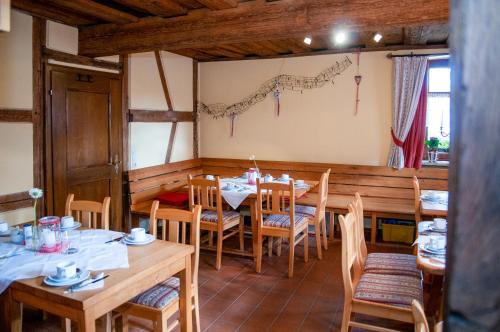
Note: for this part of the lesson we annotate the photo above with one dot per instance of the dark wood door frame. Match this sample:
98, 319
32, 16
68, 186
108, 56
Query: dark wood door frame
48, 153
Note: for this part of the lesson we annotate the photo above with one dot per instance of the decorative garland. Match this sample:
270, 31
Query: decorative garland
274, 85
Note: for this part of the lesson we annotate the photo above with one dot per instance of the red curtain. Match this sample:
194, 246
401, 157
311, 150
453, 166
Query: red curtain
413, 146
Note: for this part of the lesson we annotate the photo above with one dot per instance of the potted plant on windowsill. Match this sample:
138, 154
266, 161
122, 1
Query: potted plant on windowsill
432, 148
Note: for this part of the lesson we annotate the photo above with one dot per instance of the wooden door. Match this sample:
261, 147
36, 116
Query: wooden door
85, 138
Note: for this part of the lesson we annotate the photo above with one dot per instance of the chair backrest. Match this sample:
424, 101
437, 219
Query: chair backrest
322, 194
87, 212
174, 218
360, 226
416, 190
206, 193
417, 310
351, 269
276, 198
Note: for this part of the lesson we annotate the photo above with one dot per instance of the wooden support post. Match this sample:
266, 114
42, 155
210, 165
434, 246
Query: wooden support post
373, 234
195, 109
171, 142
38, 43
127, 218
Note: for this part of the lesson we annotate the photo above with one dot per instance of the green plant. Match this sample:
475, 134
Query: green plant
432, 144
444, 145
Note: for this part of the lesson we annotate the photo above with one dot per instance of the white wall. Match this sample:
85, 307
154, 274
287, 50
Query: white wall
317, 125
149, 141
16, 139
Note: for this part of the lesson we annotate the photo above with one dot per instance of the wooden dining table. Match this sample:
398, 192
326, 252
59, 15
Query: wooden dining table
425, 262
148, 265
434, 203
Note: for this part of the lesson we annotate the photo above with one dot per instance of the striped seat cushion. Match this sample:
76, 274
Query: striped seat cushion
389, 289
227, 216
161, 295
283, 220
309, 211
390, 263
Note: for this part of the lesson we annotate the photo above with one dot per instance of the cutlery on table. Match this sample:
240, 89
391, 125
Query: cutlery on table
86, 282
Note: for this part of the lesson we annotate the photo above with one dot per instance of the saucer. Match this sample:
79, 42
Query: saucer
438, 230
75, 226
149, 238
427, 247
55, 278
66, 282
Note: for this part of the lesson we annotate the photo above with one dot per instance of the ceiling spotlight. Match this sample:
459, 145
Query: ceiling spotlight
377, 37
340, 37
308, 40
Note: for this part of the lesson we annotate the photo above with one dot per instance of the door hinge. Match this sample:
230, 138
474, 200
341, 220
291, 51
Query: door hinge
50, 92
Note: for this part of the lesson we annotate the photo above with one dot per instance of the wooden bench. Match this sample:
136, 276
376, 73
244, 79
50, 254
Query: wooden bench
145, 184
386, 192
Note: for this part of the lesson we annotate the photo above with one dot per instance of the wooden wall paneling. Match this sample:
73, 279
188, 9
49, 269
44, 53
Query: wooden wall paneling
195, 109
136, 115
78, 59
16, 115
471, 291
171, 140
127, 217
141, 173
15, 201
41, 10
38, 43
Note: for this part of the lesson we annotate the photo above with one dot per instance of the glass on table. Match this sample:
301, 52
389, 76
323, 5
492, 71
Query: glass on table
71, 241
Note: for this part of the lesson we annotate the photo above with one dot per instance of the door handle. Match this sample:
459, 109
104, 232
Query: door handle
116, 162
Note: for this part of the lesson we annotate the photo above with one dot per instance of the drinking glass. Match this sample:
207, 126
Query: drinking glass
71, 242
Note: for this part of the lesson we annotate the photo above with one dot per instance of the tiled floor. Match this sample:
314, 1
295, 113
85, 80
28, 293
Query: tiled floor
238, 299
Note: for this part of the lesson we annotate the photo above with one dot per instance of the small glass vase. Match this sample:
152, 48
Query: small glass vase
35, 243
433, 156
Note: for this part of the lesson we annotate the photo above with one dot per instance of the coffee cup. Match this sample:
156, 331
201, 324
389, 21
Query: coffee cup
4, 227
437, 242
439, 223
268, 178
17, 236
285, 176
67, 221
65, 270
138, 234
210, 177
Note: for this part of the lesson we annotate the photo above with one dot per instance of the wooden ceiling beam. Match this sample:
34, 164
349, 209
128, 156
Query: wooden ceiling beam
219, 4
257, 20
95, 9
41, 10
164, 8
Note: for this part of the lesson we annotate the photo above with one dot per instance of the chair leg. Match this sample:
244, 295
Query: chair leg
278, 249
108, 317
317, 235
197, 310
161, 323
220, 236
242, 233
332, 225
291, 255
323, 230
270, 246
258, 265
66, 324
124, 322
306, 245
211, 238
346, 318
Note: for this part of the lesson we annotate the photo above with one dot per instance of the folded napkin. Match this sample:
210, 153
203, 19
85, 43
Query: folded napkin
88, 284
95, 285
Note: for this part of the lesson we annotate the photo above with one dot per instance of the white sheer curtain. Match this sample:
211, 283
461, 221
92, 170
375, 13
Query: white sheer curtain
409, 73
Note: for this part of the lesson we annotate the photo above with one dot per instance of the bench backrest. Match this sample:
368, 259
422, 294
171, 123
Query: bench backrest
144, 184
368, 181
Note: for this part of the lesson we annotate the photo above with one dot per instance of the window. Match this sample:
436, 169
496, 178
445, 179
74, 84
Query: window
438, 105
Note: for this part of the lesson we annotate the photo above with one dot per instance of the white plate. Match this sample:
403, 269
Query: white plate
427, 247
68, 282
75, 226
149, 238
7, 232
439, 230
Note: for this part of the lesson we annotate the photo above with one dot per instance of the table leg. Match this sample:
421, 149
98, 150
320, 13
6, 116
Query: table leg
86, 322
16, 312
186, 312
253, 217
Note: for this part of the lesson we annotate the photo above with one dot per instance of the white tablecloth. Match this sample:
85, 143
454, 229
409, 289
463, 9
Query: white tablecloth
94, 255
241, 191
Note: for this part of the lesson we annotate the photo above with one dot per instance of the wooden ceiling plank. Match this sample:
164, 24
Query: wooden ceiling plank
257, 20
95, 9
164, 8
219, 4
194, 54
51, 13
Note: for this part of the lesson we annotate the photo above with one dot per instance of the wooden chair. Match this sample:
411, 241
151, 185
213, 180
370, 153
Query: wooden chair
275, 219
206, 193
416, 190
381, 263
421, 324
161, 302
378, 295
87, 212
317, 214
